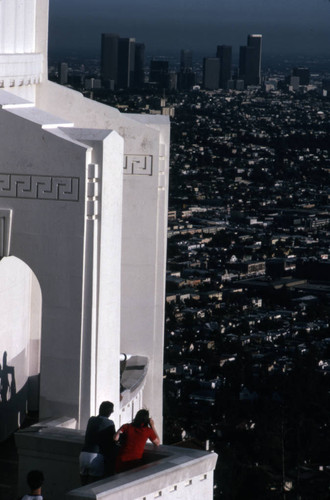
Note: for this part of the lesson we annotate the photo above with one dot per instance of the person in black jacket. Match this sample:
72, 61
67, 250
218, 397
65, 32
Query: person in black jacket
97, 457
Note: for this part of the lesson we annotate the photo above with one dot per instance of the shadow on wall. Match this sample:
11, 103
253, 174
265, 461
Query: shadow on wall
12, 404
7, 380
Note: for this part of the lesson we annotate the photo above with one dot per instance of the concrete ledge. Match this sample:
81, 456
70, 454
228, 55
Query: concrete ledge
55, 451
170, 467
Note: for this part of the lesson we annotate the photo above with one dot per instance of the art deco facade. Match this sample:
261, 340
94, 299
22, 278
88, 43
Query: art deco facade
83, 200
83, 219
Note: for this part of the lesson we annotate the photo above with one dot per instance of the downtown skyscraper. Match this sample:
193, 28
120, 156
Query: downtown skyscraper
122, 62
224, 53
250, 61
126, 62
186, 77
185, 60
109, 59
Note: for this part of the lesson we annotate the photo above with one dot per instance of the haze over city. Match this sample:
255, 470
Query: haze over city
294, 27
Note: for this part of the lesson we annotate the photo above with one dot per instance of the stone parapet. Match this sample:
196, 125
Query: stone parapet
132, 384
167, 471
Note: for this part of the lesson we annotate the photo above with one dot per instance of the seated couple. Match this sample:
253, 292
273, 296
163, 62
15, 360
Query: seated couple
101, 456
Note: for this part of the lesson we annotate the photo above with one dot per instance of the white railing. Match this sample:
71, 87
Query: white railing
132, 383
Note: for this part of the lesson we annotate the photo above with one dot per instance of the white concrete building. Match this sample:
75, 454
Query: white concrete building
83, 201
83, 221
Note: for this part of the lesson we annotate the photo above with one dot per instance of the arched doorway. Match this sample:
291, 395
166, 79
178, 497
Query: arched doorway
20, 335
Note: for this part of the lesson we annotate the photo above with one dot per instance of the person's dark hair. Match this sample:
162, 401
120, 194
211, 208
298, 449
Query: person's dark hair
106, 408
141, 418
35, 479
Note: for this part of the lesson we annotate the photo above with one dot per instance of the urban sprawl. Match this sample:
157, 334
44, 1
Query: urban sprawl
247, 340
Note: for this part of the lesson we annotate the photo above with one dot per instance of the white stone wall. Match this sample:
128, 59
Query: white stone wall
18, 291
23, 45
145, 165
17, 26
99, 259
63, 187
35, 344
145, 204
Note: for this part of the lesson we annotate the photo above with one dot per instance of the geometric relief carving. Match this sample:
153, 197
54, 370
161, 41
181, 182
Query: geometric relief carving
138, 164
93, 187
5, 231
39, 187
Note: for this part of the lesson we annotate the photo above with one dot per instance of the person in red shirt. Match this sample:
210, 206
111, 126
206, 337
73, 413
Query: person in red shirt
134, 437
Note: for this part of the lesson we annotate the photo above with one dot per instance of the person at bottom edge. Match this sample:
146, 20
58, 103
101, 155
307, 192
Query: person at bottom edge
98, 454
134, 437
35, 479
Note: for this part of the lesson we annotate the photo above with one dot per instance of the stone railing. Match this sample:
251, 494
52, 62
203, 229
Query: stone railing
132, 382
168, 472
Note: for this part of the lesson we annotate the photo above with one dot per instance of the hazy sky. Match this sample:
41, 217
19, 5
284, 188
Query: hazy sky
291, 26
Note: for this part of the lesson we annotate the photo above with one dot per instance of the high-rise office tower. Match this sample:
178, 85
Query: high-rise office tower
224, 53
122, 61
243, 62
172, 80
186, 80
159, 74
139, 65
63, 73
126, 62
255, 42
185, 77
250, 60
109, 59
211, 70
185, 60
303, 74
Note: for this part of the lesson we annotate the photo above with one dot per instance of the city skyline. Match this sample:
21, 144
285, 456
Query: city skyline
287, 27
